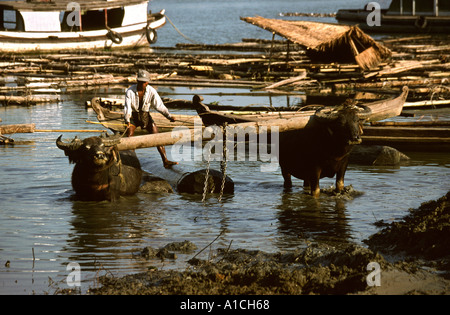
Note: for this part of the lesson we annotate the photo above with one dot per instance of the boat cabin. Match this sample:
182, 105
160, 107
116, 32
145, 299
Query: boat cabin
402, 16
419, 7
68, 16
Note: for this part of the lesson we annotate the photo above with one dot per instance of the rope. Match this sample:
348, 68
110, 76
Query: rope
179, 32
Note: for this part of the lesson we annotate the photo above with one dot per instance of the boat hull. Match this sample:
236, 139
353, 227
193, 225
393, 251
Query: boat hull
133, 36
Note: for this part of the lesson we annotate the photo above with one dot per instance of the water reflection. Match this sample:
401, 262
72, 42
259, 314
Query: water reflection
107, 231
302, 217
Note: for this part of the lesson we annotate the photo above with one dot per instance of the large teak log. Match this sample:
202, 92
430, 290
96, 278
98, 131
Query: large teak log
209, 133
186, 179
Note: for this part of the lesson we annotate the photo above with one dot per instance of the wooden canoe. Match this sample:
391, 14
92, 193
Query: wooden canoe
380, 110
114, 120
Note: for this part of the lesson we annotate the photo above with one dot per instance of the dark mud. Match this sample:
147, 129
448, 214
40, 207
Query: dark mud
423, 234
412, 254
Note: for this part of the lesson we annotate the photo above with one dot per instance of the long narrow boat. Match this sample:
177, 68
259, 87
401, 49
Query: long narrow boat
41, 25
379, 110
114, 120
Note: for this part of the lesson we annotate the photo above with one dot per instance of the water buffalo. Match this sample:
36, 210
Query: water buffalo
322, 148
101, 172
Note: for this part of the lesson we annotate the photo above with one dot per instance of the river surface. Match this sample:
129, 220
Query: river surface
42, 229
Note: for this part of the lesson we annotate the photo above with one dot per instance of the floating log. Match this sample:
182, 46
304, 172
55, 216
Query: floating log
6, 140
31, 128
29, 99
386, 84
185, 179
154, 184
18, 128
193, 135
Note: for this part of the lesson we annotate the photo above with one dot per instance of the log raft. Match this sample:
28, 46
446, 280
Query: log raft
422, 64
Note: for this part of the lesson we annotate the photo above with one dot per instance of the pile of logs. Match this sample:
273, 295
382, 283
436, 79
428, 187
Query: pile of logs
422, 63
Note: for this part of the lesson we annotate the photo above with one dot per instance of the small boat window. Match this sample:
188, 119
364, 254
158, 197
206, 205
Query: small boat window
425, 7
444, 7
10, 20
95, 20
416, 7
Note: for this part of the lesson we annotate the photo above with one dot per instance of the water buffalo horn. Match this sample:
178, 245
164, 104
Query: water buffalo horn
326, 113
365, 112
72, 146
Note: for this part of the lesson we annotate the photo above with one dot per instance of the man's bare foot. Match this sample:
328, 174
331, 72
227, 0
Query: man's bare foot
169, 164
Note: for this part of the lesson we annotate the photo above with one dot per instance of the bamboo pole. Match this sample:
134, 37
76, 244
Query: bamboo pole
69, 130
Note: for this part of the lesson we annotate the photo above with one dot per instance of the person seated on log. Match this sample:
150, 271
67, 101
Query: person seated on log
139, 98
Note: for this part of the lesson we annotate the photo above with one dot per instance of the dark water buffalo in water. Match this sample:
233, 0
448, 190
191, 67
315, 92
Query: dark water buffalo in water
101, 172
322, 148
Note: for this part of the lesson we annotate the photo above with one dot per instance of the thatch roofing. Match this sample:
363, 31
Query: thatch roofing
326, 39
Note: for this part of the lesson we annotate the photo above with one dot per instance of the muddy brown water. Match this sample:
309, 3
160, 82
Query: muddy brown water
43, 229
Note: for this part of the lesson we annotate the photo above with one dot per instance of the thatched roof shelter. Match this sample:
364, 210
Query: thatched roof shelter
327, 42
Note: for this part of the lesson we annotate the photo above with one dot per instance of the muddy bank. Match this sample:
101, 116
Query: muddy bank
412, 255
423, 234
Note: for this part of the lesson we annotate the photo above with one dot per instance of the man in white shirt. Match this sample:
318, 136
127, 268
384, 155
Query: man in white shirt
139, 99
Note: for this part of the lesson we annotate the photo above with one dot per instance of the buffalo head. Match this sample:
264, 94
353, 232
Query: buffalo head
344, 123
101, 172
94, 151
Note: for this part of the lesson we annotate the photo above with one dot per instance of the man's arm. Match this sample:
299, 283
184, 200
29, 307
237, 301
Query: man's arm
158, 104
127, 110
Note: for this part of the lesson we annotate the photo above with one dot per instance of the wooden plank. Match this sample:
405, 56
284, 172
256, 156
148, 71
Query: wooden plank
407, 131
286, 82
411, 123
417, 140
